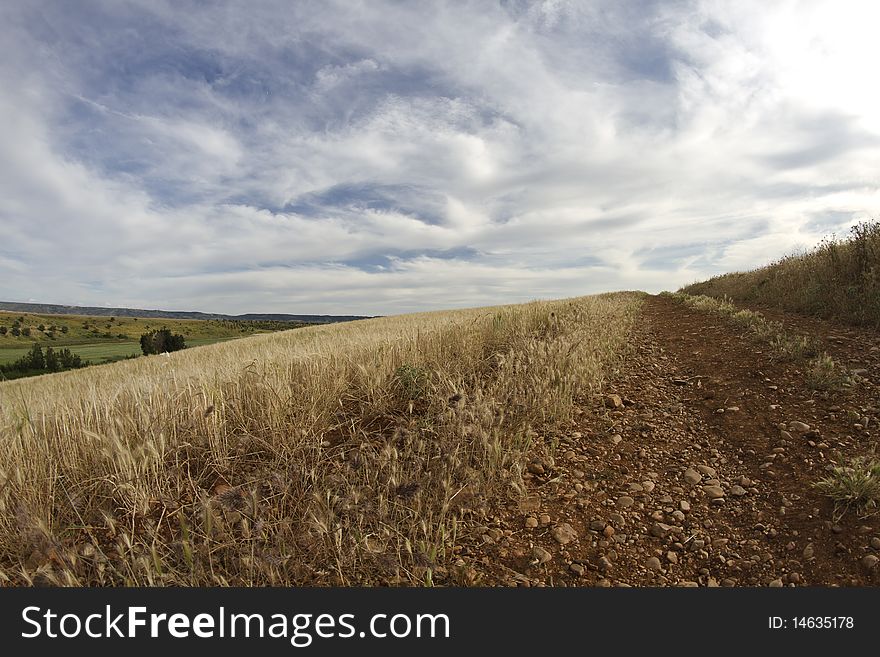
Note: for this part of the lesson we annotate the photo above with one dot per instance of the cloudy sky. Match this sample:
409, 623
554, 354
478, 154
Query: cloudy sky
382, 157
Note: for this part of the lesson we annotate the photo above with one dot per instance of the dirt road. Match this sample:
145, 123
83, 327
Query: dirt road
692, 473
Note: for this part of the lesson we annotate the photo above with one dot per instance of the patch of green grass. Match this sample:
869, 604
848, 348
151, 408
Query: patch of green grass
99, 352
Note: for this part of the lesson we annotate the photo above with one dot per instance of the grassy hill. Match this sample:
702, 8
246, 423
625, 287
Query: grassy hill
107, 338
353, 453
838, 279
99, 311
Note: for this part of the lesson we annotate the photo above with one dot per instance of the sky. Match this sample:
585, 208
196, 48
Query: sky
388, 157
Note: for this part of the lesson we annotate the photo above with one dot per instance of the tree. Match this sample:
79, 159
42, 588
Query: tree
3, 330
161, 340
52, 362
36, 359
15, 331
69, 359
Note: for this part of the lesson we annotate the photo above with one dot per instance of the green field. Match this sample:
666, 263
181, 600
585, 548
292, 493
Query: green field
106, 339
98, 352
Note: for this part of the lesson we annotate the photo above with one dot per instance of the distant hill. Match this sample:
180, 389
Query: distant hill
55, 309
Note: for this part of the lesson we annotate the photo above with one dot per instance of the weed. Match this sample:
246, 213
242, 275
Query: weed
854, 485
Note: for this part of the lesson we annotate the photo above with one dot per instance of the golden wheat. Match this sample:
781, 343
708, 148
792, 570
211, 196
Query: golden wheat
350, 454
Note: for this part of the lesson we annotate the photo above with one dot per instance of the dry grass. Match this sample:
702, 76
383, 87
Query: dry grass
853, 485
822, 372
352, 454
839, 279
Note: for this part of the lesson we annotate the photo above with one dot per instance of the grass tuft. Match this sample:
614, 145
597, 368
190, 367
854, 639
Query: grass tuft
853, 485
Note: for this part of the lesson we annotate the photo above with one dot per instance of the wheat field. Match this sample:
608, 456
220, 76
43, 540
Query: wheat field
347, 454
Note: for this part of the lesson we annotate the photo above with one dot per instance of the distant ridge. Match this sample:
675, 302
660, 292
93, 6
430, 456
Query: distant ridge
56, 309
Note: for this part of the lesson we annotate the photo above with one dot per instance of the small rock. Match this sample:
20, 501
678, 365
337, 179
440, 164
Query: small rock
605, 564
671, 557
576, 568
608, 531
869, 561
531, 522
613, 401
798, 427
654, 564
875, 543
541, 555
706, 470
624, 502
737, 490
691, 476
714, 492
597, 525
776, 583
564, 534
535, 468
660, 530
685, 506
544, 519
809, 551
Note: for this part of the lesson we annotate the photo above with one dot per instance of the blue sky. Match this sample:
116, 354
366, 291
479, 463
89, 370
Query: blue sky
385, 157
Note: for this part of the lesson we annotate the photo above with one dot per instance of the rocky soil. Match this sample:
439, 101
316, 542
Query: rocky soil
695, 470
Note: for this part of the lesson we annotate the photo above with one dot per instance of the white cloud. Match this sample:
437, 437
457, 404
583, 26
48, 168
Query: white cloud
382, 157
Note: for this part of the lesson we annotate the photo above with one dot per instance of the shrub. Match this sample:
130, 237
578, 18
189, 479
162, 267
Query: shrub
161, 340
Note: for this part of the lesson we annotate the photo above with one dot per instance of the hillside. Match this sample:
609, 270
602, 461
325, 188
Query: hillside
97, 311
618, 440
355, 453
100, 339
839, 279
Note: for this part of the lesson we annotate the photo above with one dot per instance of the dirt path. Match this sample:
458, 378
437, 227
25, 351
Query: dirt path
692, 475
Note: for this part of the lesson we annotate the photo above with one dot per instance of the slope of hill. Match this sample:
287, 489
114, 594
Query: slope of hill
355, 453
839, 279
101, 339
56, 309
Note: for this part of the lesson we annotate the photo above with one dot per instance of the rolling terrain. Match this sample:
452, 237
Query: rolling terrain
102, 339
622, 439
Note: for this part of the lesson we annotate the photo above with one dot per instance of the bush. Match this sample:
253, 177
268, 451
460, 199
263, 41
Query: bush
161, 340
15, 331
3, 330
26, 332
64, 329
